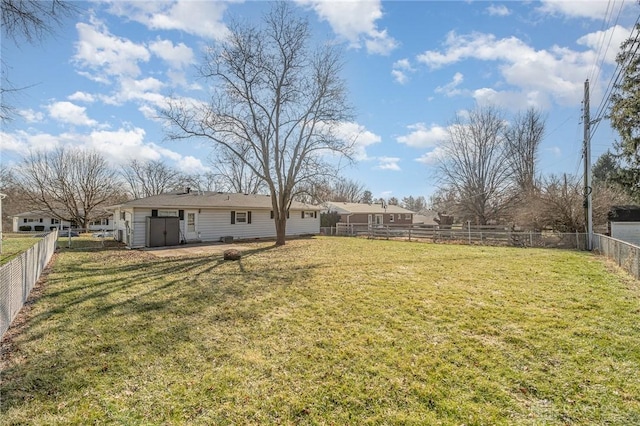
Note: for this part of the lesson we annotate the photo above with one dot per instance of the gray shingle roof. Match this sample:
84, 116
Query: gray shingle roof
346, 208
206, 199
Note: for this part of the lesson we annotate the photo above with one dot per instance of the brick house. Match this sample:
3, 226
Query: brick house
370, 214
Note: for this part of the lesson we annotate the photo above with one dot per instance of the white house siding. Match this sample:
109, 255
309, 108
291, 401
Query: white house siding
213, 224
626, 231
139, 227
120, 224
298, 226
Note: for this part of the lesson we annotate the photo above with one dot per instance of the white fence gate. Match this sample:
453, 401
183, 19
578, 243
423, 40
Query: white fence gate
18, 277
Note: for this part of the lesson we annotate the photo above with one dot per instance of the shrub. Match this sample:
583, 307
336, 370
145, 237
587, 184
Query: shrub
25, 228
39, 227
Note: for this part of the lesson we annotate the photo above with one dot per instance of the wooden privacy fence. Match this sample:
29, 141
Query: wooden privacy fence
486, 235
18, 277
626, 255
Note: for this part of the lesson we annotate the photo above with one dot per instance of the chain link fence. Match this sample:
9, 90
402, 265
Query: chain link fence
18, 277
626, 255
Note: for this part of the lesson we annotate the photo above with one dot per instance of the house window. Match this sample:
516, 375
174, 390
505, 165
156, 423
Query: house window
308, 215
122, 215
168, 213
55, 221
391, 216
191, 222
379, 219
241, 217
407, 216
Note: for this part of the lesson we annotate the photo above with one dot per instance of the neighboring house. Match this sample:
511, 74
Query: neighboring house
624, 224
199, 216
426, 219
370, 214
39, 220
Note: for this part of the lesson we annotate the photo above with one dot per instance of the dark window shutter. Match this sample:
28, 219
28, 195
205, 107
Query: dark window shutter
25, 220
154, 213
41, 220
181, 214
271, 214
233, 217
248, 217
315, 215
302, 214
107, 222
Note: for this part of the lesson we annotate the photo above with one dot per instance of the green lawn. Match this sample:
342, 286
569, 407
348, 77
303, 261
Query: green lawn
13, 245
329, 331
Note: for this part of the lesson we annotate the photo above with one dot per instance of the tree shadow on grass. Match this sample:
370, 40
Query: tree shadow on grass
131, 306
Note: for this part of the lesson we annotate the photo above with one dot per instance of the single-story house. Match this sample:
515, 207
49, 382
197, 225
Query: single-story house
203, 216
370, 214
426, 219
40, 220
624, 224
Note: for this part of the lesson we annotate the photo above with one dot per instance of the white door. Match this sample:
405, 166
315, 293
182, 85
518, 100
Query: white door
191, 225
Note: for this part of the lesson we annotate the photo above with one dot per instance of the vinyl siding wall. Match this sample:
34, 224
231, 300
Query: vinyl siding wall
212, 224
626, 231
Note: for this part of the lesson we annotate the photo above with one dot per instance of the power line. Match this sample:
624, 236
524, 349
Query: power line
618, 75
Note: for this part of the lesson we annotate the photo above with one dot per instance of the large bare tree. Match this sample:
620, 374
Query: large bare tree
147, 178
72, 184
523, 138
276, 104
474, 165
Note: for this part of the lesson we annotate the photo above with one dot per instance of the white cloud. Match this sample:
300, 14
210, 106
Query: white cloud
69, 113
388, 163
191, 165
362, 137
450, 89
177, 56
106, 54
499, 10
612, 37
82, 97
421, 136
432, 157
201, 18
541, 75
22, 142
31, 116
515, 100
576, 8
356, 22
400, 70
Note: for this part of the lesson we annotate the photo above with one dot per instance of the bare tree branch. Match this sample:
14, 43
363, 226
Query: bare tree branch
275, 105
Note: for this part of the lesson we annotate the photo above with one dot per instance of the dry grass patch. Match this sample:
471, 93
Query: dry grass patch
329, 331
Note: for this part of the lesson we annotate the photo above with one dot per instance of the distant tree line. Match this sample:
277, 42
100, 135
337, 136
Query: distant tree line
489, 175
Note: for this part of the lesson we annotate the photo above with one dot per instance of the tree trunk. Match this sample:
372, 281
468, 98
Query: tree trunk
281, 228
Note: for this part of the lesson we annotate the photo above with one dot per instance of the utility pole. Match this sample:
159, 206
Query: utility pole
588, 208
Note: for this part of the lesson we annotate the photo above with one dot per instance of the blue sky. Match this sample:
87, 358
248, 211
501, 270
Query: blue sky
410, 67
